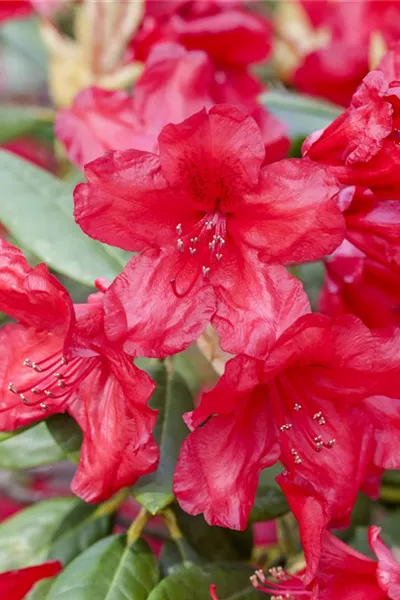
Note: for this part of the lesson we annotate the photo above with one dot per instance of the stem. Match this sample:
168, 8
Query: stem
110, 506
135, 530
172, 524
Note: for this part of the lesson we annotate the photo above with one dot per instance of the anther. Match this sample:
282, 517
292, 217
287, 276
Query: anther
64, 361
211, 246
317, 415
180, 245
331, 443
192, 251
27, 363
35, 390
12, 388
179, 229
218, 256
58, 375
206, 271
61, 384
285, 427
221, 241
297, 407
208, 225
44, 406
36, 368
194, 240
24, 399
49, 394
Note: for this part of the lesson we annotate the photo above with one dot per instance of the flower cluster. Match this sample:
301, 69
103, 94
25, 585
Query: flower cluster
188, 172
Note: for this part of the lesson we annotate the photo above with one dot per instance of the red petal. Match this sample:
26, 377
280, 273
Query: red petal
98, 120
345, 573
16, 344
255, 304
292, 217
388, 571
231, 37
143, 312
118, 447
126, 202
32, 295
14, 585
212, 156
219, 464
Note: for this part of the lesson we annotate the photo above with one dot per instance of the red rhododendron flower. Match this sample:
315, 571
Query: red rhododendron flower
361, 145
57, 360
308, 405
342, 573
175, 84
214, 230
356, 284
14, 585
32, 151
14, 9
340, 42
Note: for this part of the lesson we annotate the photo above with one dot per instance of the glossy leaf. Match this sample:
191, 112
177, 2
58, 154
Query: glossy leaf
37, 208
171, 398
192, 582
41, 590
78, 530
270, 503
109, 570
213, 543
26, 537
176, 552
303, 114
29, 448
67, 434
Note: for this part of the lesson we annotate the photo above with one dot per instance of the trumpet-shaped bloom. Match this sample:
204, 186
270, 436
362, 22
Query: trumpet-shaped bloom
214, 228
308, 405
56, 359
342, 573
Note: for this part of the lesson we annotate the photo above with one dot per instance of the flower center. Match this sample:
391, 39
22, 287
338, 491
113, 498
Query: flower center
286, 587
52, 378
200, 251
298, 421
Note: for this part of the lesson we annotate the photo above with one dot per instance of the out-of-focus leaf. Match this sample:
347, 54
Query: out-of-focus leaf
29, 448
359, 542
79, 529
41, 590
108, 570
171, 398
303, 114
26, 537
37, 208
312, 275
67, 434
17, 121
176, 552
212, 543
192, 582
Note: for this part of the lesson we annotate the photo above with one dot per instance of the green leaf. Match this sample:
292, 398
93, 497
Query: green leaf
78, 530
67, 435
212, 543
29, 448
303, 114
109, 570
176, 552
37, 208
41, 590
26, 537
270, 503
192, 582
172, 398
16, 121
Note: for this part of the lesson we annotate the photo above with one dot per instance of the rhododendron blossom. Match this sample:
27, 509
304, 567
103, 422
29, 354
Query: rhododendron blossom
325, 48
57, 359
361, 146
175, 84
342, 573
214, 229
307, 405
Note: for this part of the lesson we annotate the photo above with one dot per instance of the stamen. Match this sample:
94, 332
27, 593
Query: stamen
179, 229
205, 271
